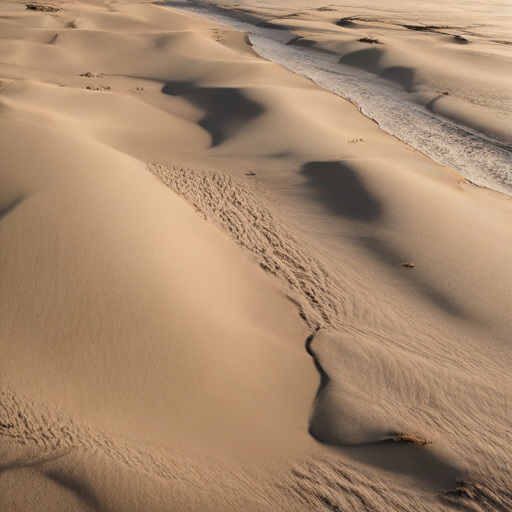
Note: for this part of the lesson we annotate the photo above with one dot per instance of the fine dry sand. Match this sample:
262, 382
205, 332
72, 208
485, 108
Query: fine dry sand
204, 303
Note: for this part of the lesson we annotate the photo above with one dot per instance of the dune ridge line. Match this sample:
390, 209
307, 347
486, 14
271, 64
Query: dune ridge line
249, 222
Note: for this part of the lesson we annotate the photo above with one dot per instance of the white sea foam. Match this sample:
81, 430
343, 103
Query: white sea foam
478, 158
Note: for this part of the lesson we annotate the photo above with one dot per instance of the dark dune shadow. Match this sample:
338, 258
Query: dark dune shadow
454, 39
339, 188
418, 462
347, 22
415, 461
431, 104
78, 488
324, 378
367, 60
48, 465
4, 211
399, 75
459, 40
226, 108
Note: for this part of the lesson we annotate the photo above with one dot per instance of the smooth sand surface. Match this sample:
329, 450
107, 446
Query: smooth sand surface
204, 303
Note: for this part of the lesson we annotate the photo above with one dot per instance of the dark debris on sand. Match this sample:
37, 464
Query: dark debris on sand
42, 8
410, 439
369, 40
424, 28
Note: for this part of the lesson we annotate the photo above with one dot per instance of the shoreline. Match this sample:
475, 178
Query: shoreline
487, 166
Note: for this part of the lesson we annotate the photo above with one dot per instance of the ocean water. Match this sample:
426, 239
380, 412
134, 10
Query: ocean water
482, 160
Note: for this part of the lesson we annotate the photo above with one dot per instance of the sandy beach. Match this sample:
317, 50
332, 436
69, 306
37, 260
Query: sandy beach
224, 287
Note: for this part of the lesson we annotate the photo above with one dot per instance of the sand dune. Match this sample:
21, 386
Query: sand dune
204, 303
411, 46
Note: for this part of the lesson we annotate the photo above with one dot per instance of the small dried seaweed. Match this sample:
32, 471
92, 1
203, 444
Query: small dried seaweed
370, 40
42, 8
410, 439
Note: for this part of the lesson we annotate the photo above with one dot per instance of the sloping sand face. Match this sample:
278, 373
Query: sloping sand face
203, 300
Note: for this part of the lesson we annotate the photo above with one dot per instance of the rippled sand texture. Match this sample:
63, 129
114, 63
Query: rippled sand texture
204, 303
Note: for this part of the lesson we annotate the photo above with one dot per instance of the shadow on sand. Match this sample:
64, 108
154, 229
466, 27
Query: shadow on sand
226, 109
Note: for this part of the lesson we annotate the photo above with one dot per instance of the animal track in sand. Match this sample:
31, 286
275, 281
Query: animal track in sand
140, 89
237, 208
44, 434
218, 35
201, 213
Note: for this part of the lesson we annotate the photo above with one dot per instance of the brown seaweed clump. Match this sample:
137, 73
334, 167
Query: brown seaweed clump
42, 8
369, 40
410, 439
